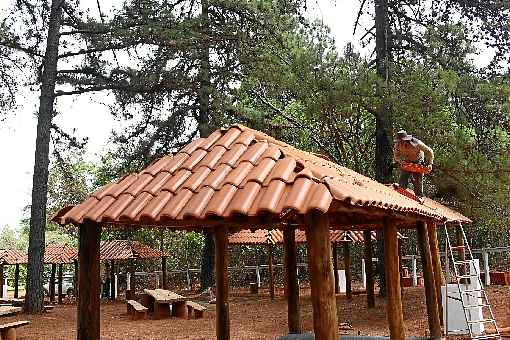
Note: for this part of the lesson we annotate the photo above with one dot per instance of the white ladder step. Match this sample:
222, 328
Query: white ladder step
486, 336
475, 306
482, 321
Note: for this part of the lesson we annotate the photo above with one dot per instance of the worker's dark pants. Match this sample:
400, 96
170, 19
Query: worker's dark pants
417, 181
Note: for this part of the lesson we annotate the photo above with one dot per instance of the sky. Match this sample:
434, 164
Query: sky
89, 115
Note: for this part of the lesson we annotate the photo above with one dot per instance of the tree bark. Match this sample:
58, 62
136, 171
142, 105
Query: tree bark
384, 147
34, 301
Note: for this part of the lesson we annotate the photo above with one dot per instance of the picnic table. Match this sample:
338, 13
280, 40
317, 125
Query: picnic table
9, 310
164, 303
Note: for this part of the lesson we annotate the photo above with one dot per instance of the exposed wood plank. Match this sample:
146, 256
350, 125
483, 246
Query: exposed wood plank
335, 266
221, 264
369, 268
290, 263
325, 322
89, 282
394, 298
348, 270
428, 277
270, 269
436, 264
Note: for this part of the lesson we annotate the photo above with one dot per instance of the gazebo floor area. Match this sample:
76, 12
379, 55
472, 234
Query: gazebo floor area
250, 318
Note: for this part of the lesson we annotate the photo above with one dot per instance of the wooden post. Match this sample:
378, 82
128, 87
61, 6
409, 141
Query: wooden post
164, 284
112, 280
51, 285
335, 266
89, 282
369, 268
16, 281
76, 278
221, 263
436, 265
60, 283
325, 324
394, 298
290, 259
270, 270
348, 271
428, 277
2, 281
400, 270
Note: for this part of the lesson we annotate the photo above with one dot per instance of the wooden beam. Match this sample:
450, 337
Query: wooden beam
290, 263
335, 266
112, 280
428, 277
89, 282
394, 298
221, 264
59, 287
51, 285
325, 324
348, 270
164, 284
369, 268
16, 281
270, 269
436, 265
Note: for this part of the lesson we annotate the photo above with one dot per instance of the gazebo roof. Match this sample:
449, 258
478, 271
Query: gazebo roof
262, 236
12, 256
60, 254
125, 250
242, 176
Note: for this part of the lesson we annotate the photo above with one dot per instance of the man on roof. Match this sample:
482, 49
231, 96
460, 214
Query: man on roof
412, 150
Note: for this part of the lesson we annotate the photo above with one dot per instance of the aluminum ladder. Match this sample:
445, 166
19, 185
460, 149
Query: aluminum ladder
462, 274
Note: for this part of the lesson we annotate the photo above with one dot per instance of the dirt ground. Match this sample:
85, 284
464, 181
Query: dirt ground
251, 318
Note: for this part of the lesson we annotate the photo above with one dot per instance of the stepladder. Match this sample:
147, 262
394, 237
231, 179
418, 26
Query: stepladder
467, 291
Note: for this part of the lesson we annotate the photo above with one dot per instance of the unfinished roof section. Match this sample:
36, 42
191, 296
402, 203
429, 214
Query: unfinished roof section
262, 236
240, 173
126, 250
60, 254
449, 215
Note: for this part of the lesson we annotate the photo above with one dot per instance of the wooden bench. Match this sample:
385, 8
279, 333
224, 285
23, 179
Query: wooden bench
8, 330
135, 310
195, 310
48, 308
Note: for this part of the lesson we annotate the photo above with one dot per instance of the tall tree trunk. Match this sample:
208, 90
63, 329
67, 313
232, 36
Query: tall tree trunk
204, 128
384, 147
34, 297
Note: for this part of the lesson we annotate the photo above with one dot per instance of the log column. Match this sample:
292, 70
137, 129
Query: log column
270, 270
348, 271
89, 282
394, 298
51, 286
16, 281
436, 265
428, 277
164, 284
325, 322
369, 268
59, 287
292, 291
112, 280
2, 281
335, 266
75, 277
221, 267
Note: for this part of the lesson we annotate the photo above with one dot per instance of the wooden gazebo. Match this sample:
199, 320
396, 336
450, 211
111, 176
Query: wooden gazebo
239, 178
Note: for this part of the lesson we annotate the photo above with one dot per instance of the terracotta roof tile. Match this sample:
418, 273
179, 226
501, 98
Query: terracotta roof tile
239, 171
12, 256
60, 254
126, 250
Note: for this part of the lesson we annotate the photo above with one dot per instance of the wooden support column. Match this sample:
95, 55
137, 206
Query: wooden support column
428, 277
325, 322
270, 269
75, 277
59, 295
112, 280
16, 281
221, 264
394, 298
335, 266
164, 284
369, 268
89, 282
290, 262
51, 286
400, 270
436, 265
2, 281
348, 271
